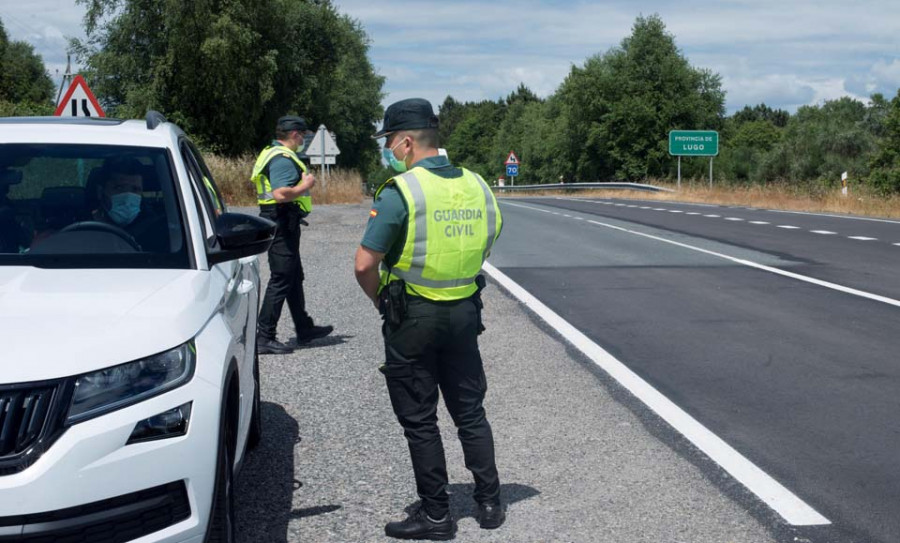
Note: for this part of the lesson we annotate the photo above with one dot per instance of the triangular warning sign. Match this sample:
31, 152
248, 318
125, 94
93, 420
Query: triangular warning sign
512, 158
79, 101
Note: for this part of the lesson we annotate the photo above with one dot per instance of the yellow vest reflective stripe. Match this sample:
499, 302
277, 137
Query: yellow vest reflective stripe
451, 226
264, 187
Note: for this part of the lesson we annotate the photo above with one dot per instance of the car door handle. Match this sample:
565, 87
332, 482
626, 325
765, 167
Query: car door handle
245, 287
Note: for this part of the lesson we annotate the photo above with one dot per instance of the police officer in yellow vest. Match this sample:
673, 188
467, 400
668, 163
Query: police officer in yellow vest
429, 231
282, 191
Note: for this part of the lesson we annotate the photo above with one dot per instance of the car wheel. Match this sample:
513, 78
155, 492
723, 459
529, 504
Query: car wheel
221, 521
256, 416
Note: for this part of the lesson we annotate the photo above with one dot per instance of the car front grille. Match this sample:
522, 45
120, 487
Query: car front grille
29, 422
115, 520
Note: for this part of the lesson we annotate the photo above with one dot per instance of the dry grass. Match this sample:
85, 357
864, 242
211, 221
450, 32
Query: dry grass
784, 197
232, 176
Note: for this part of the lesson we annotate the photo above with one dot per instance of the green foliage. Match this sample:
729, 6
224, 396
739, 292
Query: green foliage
761, 112
24, 81
624, 102
821, 142
886, 162
471, 143
225, 70
608, 120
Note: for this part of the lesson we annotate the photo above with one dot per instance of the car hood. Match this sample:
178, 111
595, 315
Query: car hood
63, 322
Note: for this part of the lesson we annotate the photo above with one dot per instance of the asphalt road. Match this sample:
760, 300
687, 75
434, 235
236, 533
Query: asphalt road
580, 460
799, 373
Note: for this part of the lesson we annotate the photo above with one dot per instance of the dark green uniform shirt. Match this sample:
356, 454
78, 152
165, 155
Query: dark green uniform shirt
386, 231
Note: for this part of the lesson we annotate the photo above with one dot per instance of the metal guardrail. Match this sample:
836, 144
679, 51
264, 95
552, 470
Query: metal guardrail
584, 186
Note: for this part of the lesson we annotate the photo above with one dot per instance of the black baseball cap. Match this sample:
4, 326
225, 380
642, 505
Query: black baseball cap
291, 122
409, 114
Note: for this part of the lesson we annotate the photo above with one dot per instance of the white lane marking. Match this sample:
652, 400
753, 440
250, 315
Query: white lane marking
851, 217
645, 207
713, 216
751, 264
692, 213
897, 244
568, 216
788, 227
758, 222
794, 510
733, 219
863, 238
675, 211
823, 232
659, 209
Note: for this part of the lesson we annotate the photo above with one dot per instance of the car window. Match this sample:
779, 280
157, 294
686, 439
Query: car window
209, 204
89, 206
215, 197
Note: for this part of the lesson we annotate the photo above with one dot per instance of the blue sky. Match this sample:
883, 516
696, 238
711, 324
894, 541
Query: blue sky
784, 53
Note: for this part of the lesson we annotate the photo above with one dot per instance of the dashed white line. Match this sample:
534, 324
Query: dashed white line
823, 232
659, 209
692, 213
733, 219
759, 222
788, 227
713, 216
794, 510
675, 211
862, 238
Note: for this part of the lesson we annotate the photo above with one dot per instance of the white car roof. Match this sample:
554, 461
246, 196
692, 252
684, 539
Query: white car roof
95, 130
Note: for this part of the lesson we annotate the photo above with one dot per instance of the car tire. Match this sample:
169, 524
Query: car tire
255, 435
221, 519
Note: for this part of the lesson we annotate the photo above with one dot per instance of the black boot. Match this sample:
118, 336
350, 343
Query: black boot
490, 515
419, 526
265, 345
306, 335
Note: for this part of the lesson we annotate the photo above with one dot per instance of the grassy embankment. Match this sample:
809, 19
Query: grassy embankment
232, 176
346, 187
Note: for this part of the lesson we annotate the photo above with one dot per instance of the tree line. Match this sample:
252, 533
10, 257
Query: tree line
226, 69
609, 121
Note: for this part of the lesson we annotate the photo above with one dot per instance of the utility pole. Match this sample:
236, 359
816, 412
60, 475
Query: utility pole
67, 78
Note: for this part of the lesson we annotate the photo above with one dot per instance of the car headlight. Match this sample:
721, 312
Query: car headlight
113, 388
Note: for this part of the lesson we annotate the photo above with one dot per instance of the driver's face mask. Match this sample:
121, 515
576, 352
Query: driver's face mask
124, 207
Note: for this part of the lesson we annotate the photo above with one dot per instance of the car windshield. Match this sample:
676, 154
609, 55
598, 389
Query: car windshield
89, 206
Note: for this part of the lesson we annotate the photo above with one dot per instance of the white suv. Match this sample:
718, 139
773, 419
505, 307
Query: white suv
129, 386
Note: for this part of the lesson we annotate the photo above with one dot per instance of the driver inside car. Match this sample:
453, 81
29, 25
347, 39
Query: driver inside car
120, 205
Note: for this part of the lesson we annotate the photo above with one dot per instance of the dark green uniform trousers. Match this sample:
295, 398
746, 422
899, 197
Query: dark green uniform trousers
436, 347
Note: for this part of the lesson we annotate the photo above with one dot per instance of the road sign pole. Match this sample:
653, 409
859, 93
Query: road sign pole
679, 172
322, 130
710, 173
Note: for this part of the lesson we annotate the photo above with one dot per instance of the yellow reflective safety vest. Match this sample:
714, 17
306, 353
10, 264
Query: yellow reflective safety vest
451, 226
264, 194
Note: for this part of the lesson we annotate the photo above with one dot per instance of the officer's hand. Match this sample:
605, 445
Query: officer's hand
309, 178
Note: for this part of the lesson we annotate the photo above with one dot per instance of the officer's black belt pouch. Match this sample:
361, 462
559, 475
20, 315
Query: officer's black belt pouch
393, 302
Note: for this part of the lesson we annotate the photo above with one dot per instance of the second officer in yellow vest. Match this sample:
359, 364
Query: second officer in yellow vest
282, 191
429, 231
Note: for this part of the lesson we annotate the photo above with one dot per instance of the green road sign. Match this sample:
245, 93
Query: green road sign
693, 143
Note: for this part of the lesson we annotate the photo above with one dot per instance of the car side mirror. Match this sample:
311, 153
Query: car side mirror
240, 235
